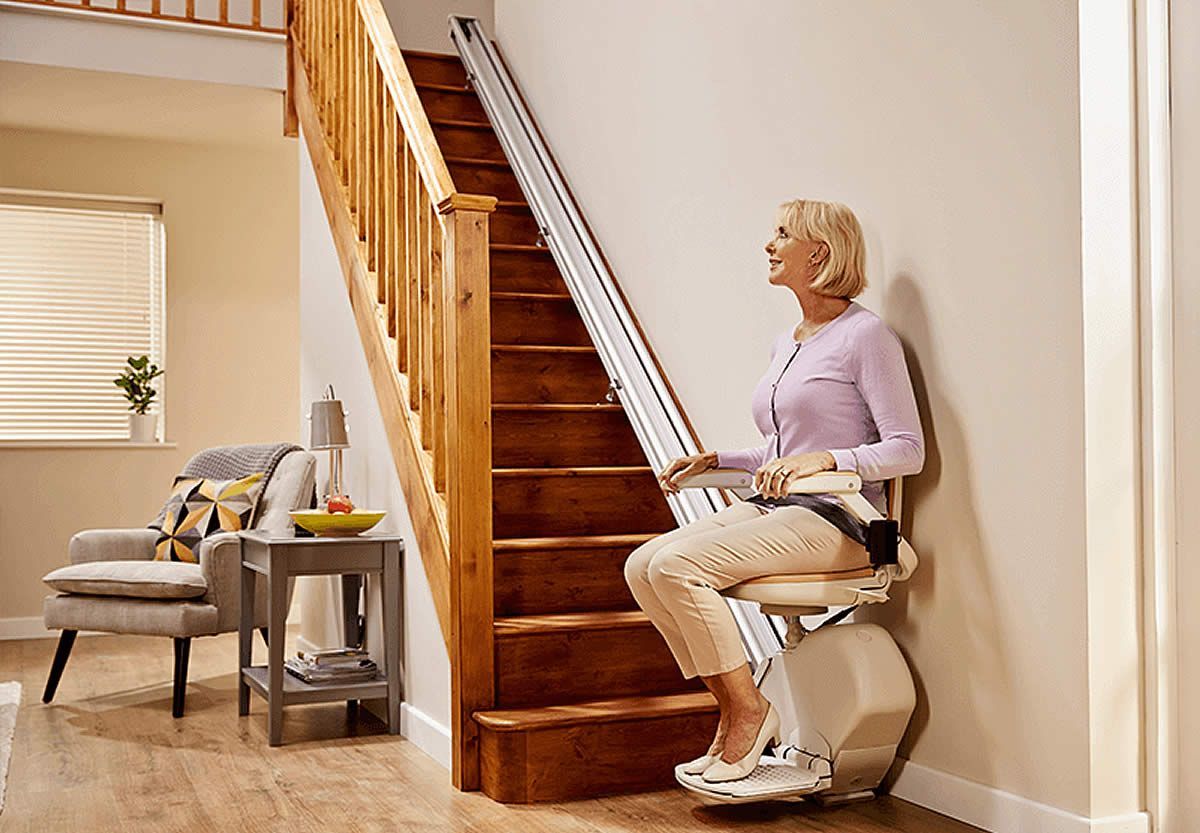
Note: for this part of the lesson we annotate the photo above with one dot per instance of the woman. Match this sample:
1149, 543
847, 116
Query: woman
835, 397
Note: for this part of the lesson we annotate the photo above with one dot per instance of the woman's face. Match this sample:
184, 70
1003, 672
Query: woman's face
793, 262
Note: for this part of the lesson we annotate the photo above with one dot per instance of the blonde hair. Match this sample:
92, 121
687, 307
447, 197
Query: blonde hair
844, 273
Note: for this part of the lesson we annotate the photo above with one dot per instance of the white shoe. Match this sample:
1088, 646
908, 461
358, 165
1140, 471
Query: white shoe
769, 731
698, 765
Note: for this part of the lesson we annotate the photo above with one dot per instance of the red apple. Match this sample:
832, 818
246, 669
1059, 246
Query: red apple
339, 503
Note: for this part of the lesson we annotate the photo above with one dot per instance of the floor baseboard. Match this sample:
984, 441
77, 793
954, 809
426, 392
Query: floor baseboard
998, 811
25, 627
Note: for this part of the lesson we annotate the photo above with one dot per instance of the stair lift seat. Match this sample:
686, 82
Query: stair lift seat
844, 691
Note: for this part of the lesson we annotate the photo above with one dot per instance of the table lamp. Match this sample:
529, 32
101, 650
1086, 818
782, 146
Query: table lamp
328, 433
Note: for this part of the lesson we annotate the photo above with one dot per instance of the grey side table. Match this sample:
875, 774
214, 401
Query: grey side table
280, 557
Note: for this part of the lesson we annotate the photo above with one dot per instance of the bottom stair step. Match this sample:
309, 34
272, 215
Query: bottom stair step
600, 747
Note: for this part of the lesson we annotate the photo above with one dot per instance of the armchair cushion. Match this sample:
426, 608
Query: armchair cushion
132, 579
199, 507
112, 545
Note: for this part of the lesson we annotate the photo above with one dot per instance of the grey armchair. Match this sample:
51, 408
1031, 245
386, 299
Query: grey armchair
114, 585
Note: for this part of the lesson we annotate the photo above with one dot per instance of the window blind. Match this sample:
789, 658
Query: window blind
81, 289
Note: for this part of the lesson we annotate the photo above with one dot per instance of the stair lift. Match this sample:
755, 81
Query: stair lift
844, 692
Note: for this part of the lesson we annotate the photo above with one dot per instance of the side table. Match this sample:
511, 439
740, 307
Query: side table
280, 557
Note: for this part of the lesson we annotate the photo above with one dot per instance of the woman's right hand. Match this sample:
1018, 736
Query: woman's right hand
685, 467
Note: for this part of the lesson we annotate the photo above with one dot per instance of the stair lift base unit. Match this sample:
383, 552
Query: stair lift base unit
845, 696
844, 692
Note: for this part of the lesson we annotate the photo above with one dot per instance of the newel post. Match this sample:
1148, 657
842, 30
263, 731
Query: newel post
468, 473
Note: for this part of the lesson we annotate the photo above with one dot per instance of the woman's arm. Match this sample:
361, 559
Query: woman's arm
881, 374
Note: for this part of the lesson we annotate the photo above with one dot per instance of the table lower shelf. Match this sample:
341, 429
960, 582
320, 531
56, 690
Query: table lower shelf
296, 690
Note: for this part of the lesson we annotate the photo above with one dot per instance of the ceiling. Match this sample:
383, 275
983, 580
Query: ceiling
33, 96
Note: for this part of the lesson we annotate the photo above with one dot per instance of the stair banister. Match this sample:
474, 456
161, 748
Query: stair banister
657, 420
415, 257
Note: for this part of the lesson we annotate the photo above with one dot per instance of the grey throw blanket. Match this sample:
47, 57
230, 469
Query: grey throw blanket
230, 462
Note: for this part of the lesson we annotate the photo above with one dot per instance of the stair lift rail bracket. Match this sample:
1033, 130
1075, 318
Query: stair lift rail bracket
655, 418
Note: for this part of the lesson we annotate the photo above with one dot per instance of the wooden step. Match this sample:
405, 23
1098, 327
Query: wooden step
599, 747
434, 67
471, 139
548, 435
563, 575
527, 373
513, 223
537, 318
543, 502
474, 176
520, 270
448, 101
568, 657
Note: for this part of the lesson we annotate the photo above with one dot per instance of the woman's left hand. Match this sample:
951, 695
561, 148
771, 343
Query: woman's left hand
774, 478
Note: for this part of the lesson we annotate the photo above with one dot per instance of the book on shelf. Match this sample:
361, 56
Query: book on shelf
333, 655
344, 668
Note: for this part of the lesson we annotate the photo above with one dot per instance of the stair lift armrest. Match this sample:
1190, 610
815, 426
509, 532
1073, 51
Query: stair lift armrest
838, 483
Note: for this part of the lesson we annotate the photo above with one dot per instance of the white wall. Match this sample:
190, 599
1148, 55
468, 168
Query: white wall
953, 130
331, 353
1185, 146
424, 25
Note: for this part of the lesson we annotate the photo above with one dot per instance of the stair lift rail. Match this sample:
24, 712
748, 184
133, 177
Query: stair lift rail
653, 413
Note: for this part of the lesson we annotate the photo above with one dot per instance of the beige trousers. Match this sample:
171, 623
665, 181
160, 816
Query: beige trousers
676, 577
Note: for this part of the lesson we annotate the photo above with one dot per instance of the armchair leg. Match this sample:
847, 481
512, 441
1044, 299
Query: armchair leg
65, 642
183, 646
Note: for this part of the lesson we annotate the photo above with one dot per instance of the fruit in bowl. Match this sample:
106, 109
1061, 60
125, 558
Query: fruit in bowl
339, 503
324, 523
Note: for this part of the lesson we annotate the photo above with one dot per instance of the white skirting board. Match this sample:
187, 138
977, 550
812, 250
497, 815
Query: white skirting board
998, 811
25, 627
430, 737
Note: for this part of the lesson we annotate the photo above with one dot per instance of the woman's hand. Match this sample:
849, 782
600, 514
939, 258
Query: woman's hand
774, 478
685, 467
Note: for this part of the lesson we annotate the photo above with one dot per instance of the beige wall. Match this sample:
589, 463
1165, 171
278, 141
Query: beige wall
232, 332
424, 25
953, 130
1185, 141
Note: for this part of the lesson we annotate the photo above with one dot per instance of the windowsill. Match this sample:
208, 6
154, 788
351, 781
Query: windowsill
81, 444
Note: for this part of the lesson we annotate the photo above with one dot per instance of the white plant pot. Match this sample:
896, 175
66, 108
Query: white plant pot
142, 427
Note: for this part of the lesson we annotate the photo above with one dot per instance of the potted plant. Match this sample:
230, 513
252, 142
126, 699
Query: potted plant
135, 382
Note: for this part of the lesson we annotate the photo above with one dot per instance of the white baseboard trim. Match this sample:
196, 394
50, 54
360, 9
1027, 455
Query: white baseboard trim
25, 627
431, 737
998, 811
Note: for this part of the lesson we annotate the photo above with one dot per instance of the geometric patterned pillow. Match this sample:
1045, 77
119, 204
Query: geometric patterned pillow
198, 508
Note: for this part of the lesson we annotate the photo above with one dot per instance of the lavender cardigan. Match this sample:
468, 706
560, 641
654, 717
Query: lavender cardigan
846, 391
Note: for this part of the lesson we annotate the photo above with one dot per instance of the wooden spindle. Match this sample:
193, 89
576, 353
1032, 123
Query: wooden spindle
377, 175
156, 8
386, 182
358, 124
427, 379
222, 10
399, 256
440, 357
412, 282
255, 13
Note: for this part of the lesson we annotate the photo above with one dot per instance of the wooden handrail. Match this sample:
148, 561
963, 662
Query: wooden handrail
415, 256
254, 24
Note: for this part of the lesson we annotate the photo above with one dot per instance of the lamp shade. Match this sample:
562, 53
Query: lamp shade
328, 425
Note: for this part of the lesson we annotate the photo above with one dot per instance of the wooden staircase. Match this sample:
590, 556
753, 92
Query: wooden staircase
562, 688
588, 698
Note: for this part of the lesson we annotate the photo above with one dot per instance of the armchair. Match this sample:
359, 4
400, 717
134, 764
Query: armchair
114, 585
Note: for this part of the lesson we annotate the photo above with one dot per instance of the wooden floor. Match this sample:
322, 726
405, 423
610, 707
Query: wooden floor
107, 756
